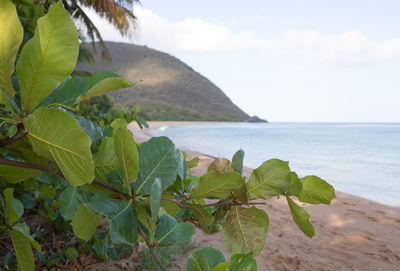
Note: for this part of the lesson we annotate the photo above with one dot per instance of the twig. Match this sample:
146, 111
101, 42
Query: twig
179, 203
151, 248
20, 134
58, 173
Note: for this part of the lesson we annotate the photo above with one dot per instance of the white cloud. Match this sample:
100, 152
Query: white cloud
198, 35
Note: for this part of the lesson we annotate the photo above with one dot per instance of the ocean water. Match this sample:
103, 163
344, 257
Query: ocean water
360, 159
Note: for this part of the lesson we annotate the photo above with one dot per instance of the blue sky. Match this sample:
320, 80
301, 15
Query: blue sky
310, 61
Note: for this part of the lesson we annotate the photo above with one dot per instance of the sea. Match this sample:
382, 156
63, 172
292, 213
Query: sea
362, 159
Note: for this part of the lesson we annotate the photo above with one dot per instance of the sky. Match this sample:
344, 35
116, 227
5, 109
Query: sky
284, 61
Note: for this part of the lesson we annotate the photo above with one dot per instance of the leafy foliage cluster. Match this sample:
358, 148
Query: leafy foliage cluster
93, 178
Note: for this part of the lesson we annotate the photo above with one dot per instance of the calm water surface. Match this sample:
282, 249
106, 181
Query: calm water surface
360, 159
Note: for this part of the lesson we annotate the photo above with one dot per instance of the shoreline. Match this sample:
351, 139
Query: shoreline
352, 233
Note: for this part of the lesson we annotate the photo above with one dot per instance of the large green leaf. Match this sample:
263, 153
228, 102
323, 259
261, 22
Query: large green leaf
122, 216
11, 34
48, 58
12, 174
78, 88
67, 92
245, 229
14, 207
69, 201
213, 184
85, 222
24, 229
270, 179
56, 135
316, 191
301, 217
105, 160
123, 228
204, 259
170, 232
102, 82
157, 159
237, 161
23, 251
127, 154
204, 218
155, 199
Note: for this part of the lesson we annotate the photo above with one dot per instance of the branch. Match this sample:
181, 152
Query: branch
179, 203
58, 173
20, 134
151, 248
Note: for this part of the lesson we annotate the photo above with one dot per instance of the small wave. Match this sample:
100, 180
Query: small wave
163, 128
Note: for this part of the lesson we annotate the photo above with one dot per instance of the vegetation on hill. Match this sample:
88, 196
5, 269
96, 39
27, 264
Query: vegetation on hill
169, 89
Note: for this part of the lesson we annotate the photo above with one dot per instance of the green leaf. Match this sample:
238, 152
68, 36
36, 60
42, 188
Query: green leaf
23, 251
48, 58
170, 232
11, 35
105, 160
69, 200
12, 131
170, 207
243, 262
241, 194
155, 199
119, 123
271, 179
24, 149
67, 92
56, 135
157, 159
27, 200
14, 207
85, 222
295, 185
204, 218
123, 228
237, 161
204, 259
127, 154
24, 229
75, 89
216, 185
221, 267
301, 217
221, 165
193, 163
102, 82
92, 129
47, 191
72, 254
123, 218
244, 230
316, 191
12, 174
181, 169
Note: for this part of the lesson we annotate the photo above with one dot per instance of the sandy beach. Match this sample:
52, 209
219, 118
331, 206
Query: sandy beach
351, 234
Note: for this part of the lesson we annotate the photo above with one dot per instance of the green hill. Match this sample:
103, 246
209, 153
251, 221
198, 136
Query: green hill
170, 89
